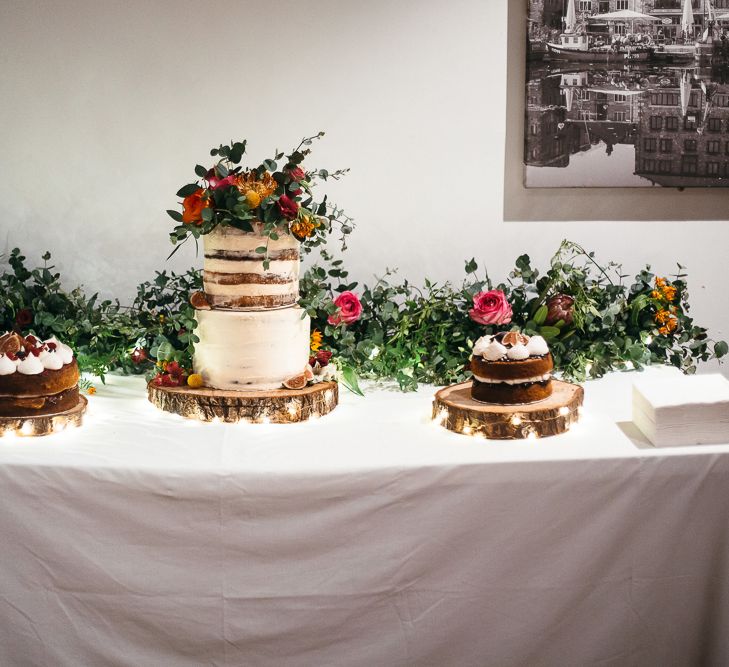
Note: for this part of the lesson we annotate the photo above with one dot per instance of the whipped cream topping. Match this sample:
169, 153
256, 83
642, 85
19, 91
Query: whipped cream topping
494, 351
537, 346
7, 365
518, 352
31, 365
51, 361
511, 346
31, 356
62, 349
481, 344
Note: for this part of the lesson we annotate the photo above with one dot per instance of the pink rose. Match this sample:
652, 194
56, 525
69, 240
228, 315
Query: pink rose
491, 308
227, 182
288, 207
350, 309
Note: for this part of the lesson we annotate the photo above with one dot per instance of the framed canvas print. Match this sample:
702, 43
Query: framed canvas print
627, 94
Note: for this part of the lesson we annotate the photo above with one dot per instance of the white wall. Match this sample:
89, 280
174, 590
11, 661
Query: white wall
107, 106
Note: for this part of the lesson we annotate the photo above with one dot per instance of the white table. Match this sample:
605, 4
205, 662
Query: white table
370, 537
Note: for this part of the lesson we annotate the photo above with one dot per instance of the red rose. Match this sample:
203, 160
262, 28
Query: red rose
288, 207
491, 308
559, 307
323, 357
297, 174
350, 309
24, 317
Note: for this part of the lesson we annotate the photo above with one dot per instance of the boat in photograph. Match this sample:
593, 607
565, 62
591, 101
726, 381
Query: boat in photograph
576, 45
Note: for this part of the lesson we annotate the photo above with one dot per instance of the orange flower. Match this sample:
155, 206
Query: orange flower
655, 294
302, 228
660, 282
91, 390
662, 316
193, 206
669, 292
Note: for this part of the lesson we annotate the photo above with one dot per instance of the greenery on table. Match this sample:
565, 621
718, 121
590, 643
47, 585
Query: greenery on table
423, 334
408, 333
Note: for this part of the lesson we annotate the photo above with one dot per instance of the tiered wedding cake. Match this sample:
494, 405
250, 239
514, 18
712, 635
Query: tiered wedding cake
252, 334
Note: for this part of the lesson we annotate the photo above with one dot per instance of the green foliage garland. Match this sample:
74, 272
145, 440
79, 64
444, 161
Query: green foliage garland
407, 333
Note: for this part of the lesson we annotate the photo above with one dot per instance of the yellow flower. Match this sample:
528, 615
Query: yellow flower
195, 381
316, 340
162, 319
253, 199
91, 390
660, 282
655, 294
263, 186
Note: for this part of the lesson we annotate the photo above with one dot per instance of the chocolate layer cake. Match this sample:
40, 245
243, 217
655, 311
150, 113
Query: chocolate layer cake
511, 369
36, 377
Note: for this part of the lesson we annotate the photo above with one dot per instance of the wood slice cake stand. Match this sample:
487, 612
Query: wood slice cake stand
454, 409
44, 424
277, 406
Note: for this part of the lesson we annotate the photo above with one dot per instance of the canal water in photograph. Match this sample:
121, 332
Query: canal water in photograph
630, 126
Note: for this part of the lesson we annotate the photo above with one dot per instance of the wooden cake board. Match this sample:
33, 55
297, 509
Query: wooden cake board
277, 406
454, 409
44, 424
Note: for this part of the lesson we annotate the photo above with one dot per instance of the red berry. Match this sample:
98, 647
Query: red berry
12, 356
36, 351
51, 346
173, 367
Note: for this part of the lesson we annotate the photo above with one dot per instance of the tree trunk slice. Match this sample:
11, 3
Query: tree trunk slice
44, 424
454, 409
277, 406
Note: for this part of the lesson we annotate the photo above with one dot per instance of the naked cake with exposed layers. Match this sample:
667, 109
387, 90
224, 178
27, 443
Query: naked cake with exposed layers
252, 335
511, 369
37, 377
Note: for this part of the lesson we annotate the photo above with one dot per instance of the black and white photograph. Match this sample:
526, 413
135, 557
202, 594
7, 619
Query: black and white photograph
627, 93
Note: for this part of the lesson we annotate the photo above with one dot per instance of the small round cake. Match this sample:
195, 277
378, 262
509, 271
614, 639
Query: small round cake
511, 369
36, 377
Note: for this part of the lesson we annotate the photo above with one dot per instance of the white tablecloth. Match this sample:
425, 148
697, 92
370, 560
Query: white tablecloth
370, 537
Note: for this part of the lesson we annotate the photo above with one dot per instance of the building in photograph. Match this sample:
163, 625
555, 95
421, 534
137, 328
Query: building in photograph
683, 134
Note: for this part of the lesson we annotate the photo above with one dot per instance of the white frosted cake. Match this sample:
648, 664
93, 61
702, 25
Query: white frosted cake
241, 350
252, 335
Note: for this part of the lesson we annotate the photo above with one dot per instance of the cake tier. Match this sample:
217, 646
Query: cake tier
241, 350
35, 406
233, 272
510, 381
49, 382
501, 393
